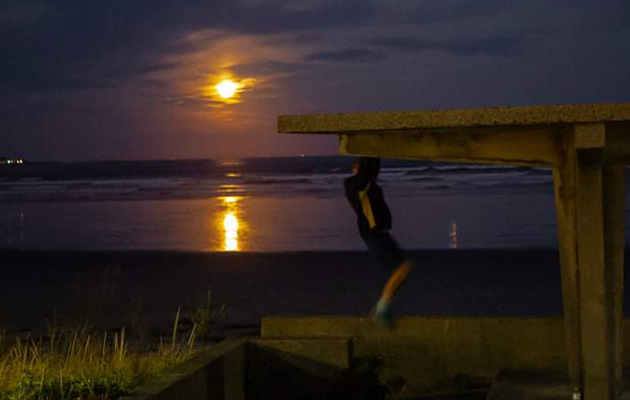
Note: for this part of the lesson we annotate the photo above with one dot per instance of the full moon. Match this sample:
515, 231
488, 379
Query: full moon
226, 89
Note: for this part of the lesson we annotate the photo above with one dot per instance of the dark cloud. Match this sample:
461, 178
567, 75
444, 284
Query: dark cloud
360, 55
97, 44
494, 46
83, 46
62, 45
21, 14
266, 17
481, 8
267, 68
430, 12
194, 102
51, 50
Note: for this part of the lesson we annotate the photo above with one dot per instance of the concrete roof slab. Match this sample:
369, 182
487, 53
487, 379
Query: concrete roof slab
456, 118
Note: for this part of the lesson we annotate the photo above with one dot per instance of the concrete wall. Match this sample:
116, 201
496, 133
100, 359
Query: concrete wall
215, 373
258, 369
296, 369
299, 356
425, 350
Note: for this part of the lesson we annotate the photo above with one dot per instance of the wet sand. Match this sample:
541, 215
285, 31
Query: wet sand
111, 289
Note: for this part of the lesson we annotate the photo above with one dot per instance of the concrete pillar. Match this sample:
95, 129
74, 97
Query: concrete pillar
614, 232
589, 199
566, 215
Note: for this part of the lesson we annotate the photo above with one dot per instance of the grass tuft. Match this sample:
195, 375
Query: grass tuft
78, 363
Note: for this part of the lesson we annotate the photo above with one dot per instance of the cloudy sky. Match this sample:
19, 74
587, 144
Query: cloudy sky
134, 79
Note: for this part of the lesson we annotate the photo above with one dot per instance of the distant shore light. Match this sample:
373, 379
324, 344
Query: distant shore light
11, 161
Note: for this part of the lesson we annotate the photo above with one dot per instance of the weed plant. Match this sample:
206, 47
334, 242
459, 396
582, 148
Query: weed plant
77, 363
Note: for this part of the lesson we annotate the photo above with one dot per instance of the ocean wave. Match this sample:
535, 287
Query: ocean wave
539, 172
321, 176
463, 170
426, 179
271, 181
438, 187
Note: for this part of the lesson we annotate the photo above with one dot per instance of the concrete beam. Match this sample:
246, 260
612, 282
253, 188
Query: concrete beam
517, 146
617, 143
445, 119
590, 136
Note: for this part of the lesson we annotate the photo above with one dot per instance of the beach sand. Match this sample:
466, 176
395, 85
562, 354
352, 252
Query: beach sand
111, 289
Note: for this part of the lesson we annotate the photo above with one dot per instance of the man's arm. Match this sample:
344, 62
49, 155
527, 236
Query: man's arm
368, 171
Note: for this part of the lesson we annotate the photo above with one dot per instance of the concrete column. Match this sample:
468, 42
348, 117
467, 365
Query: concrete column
614, 232
590, 206
594, 293
566, 215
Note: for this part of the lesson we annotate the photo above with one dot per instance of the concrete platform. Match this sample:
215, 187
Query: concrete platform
351, 357
536, 385
530, 385
588, 148
427, 350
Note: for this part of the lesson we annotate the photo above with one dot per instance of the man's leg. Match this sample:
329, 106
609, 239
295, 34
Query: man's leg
396, 279
392, 285
386, 252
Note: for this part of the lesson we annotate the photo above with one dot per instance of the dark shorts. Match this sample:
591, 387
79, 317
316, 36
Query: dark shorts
384, 249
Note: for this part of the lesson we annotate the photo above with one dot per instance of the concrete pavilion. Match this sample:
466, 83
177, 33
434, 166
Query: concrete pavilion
586, 146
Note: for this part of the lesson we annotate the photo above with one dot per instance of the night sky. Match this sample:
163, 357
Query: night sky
133, 79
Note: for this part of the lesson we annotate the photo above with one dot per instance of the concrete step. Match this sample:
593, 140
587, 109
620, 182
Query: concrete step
530, 385
537, 385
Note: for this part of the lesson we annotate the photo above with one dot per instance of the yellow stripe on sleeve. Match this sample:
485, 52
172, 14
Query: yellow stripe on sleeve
367, 207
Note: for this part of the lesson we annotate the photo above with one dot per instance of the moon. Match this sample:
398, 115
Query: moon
226, 89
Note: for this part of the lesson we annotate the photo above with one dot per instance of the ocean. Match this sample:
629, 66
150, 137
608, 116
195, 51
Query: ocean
267, 205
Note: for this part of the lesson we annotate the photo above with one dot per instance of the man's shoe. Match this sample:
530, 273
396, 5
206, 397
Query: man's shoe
382, 314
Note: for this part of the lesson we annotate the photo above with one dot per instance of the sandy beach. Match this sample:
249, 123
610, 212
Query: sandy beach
109, 289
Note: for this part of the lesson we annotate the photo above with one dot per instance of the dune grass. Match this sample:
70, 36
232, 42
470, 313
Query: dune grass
79, 363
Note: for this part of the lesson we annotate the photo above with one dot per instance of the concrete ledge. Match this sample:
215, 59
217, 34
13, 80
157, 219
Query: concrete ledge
317, 356
334, 354
200, 378
297, 368
238, 369
425, 350
458, 344
536, 385
530, 385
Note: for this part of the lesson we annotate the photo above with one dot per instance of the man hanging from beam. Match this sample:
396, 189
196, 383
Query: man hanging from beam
375, 221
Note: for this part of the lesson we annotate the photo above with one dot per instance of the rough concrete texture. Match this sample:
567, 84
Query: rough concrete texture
296, 369
255, 369
535, 385
206, 376
530, 385
588, 163
425, 350
317, 355
440, 119
513, 146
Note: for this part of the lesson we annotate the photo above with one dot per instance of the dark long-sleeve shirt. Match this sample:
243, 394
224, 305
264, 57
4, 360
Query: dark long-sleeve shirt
366, 197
